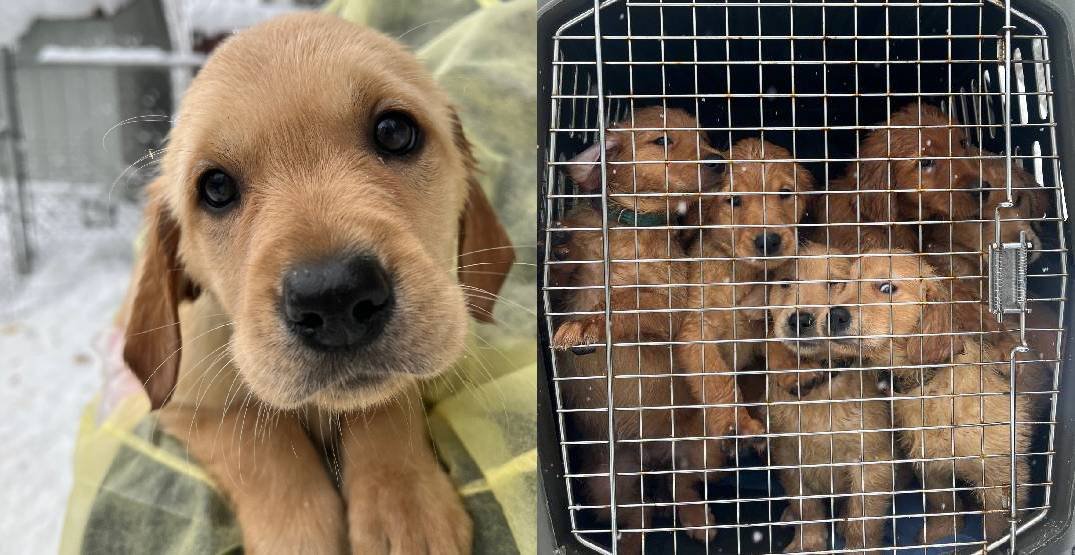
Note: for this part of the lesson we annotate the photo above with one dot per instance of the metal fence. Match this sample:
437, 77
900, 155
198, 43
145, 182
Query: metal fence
78, 143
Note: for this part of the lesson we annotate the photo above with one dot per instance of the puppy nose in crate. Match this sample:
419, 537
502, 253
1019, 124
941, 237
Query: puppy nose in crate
800, 322
715, 163
839, 320
983, 192
767, 244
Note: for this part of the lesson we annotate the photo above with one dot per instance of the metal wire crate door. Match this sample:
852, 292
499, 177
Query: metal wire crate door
816, 79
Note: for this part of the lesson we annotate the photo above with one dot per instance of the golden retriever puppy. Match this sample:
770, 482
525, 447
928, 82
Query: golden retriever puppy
647, 277
316, 196
917, 168
961, 249
961, 246
745, 230
649, 172
830, 426
952, 383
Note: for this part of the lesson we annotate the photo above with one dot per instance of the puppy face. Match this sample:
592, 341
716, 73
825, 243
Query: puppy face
932, 151
895, 303
801, 299
318, 184
756, 219
1030, 205
658, 151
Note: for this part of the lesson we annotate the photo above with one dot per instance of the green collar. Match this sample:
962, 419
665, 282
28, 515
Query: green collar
628, 217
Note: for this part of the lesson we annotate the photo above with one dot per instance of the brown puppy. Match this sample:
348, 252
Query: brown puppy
961, 249
316, 197
646, 300
649, 173
964, 244
917, 168
747, 228
952, 383
827, 420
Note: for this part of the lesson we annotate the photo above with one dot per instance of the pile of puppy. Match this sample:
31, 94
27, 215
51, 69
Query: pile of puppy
738, 324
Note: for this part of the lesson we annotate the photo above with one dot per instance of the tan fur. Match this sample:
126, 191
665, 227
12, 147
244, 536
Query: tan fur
287, 108
884, 191
721, 283
640, 300
965, 244
801, 418
933, 353
962, 249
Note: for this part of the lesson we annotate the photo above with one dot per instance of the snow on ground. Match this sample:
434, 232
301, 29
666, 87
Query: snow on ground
49, 370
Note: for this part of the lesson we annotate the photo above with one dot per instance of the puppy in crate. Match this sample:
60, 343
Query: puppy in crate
830, 421
917, 168
951, 384
736, 234
653, 167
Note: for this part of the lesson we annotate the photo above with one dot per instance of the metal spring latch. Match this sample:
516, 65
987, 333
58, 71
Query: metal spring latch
1008, 277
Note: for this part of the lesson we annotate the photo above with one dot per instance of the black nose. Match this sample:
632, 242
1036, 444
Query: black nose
339, 303
799, 322
767, 244
839, 319
715, 164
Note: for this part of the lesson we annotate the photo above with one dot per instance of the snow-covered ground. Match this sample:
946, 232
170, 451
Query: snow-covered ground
49, 370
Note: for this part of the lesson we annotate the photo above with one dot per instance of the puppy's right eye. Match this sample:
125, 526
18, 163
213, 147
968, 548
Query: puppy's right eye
887, 288
662, 140
217, 189
734, 200
785, 285
396, 133
928, 163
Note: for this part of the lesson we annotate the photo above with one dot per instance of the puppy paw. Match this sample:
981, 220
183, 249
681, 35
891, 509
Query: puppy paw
807, 541
411, 510
579, 335
754, 429
695, 518
790, 513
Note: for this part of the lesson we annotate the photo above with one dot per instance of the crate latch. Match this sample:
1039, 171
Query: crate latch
1008, 277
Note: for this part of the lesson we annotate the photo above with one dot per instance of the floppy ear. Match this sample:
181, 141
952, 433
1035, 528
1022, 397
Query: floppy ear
485, 254
585, 169
935, 319
153, 339
874, 201
873, 180
752, 304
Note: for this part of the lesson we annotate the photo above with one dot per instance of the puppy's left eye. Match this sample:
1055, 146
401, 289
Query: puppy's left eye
785, 285
662, 140
887, 288
928, 163
217, 189
396, 133
785, 193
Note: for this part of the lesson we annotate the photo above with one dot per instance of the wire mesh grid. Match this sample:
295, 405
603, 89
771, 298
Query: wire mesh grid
770, 232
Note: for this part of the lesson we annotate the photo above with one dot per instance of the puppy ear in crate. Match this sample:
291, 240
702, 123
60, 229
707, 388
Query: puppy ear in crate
932, 342
585, 168
153, 341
